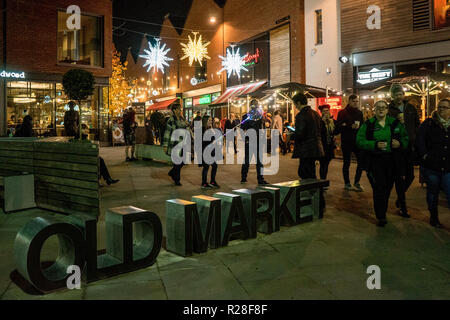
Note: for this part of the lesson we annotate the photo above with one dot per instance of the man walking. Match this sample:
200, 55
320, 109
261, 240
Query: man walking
349, 121
308, 141
406, 113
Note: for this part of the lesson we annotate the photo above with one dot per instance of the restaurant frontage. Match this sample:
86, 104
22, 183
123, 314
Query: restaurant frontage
42, 97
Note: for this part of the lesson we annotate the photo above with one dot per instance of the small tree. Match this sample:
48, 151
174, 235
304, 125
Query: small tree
78, 85
119, 86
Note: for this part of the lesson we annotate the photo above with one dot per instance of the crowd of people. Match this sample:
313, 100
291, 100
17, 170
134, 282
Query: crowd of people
387, 146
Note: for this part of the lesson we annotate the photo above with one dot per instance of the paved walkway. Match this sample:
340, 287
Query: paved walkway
324, 259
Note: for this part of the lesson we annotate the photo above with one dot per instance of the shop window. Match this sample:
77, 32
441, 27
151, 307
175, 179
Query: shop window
405, 68
444, 66
201, 71
30, 98
319, 39
84, 46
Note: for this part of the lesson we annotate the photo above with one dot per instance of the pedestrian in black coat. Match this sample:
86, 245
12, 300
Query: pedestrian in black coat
400, 109
348, 122
328, 127
433, 148
308, 140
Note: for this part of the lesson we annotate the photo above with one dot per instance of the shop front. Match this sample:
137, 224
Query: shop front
45, 101
200, 100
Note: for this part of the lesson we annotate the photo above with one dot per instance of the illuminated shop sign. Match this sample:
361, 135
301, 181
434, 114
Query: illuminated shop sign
215, 96
206, 99
334, 102
252, 59
15, 75
188, 103
374, 75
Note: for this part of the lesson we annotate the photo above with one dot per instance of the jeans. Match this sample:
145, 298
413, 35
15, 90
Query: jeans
435, 180
205, 173
246, 165
347, 150
176, 172
381, 178
307, 168
404, 181
324, 163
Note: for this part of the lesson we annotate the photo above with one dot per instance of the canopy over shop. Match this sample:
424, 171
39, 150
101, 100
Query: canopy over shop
428, 86
237, 99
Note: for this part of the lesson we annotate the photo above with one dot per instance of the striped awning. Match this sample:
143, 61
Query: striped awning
161, 105
236, 91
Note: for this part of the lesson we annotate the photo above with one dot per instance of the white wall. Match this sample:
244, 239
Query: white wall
327, 54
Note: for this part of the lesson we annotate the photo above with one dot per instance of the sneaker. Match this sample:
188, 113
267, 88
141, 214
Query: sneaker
128, 159
243, 181
214, 185
133, 159
206, 186
358, 187
262, 182
178, 184
348, 186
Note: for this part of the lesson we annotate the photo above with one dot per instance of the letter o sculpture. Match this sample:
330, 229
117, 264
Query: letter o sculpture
27, 252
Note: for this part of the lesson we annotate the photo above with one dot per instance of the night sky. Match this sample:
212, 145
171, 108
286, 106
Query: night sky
128, 34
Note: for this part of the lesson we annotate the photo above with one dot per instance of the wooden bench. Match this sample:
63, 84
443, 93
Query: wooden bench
65, 173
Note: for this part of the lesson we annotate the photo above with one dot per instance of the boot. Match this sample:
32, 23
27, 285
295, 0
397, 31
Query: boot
434, 220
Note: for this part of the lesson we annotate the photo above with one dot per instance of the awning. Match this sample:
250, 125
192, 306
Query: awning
238, 91
161, 105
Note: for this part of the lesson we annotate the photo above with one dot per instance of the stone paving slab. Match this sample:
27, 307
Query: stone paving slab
324, 259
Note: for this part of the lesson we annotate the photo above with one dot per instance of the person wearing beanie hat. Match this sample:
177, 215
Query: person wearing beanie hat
400, 109
308, 137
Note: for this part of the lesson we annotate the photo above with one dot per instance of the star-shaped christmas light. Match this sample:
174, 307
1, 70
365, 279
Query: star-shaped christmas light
195, 49
233, 62
156, 57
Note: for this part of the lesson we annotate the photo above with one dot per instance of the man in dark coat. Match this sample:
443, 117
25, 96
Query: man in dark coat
348, 122
252, 121
308, 140
433, 148
400, 109
71, 120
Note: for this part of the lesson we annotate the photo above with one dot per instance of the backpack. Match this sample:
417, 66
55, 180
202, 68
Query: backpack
366, 156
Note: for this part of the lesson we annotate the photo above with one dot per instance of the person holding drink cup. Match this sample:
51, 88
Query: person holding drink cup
379, 138
406, 113
348, 122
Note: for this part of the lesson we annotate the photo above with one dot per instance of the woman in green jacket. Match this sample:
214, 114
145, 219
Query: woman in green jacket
380, 138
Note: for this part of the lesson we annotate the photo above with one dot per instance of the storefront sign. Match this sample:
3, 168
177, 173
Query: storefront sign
215, 96
374, 75
252, 59
374, 20
134, 236
195, 81
15, 75
206, 99
188, 103
334, 102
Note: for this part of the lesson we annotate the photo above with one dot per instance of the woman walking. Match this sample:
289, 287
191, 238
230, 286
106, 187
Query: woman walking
433, 147
379, 137
176, 121
206, 125
328, 142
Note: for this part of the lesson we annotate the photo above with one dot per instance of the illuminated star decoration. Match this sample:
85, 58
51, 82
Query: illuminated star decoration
156, 57
233, 62
195, 50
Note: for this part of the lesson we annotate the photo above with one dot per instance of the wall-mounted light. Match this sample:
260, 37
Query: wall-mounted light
343, 59
212, 20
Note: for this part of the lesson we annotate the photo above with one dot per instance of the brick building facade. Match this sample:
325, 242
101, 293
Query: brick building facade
271, 31
37, 43
406, 40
